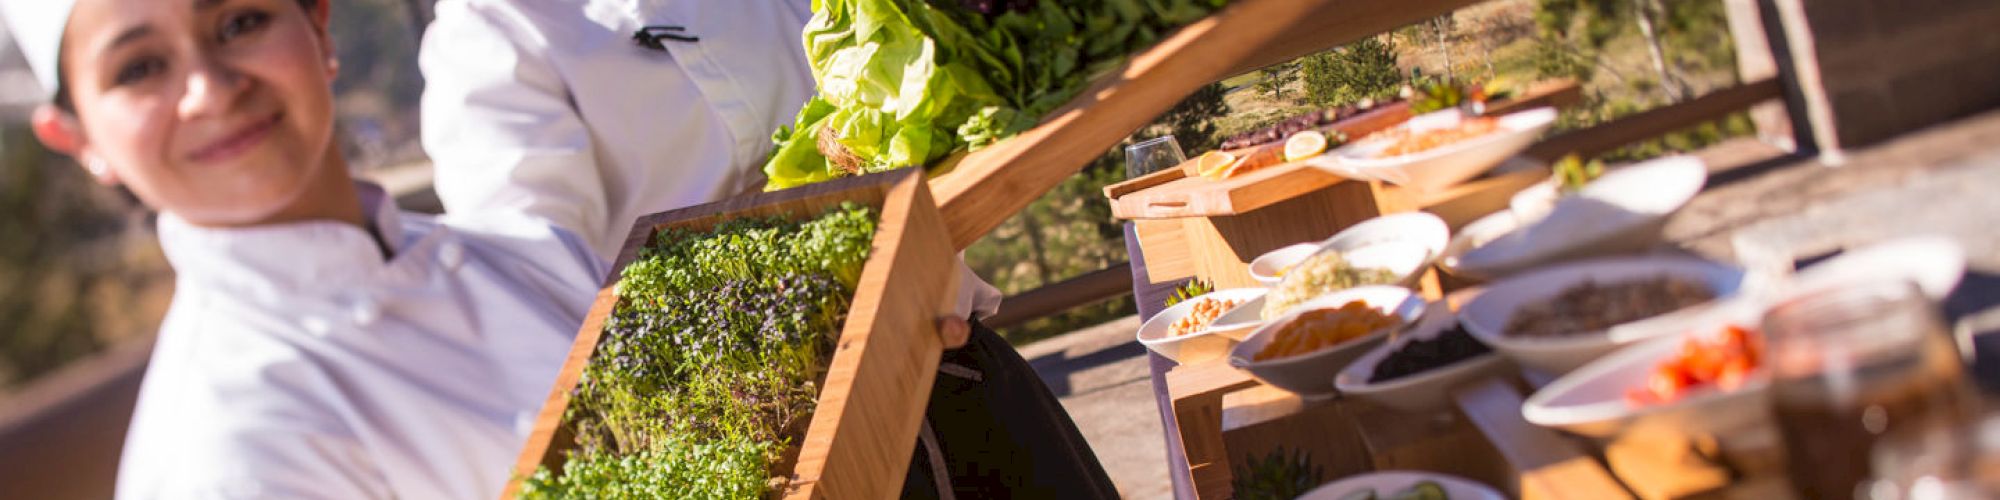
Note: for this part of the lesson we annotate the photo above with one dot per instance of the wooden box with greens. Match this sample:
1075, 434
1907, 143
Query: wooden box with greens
776, 345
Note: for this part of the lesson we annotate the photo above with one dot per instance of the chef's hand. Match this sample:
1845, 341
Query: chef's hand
954, 332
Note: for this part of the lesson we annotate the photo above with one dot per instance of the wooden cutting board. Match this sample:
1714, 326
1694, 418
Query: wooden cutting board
1170, 193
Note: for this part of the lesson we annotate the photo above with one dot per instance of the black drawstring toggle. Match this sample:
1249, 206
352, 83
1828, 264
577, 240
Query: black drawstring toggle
651, 36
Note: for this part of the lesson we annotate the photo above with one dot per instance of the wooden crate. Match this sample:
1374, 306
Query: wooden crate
872, 402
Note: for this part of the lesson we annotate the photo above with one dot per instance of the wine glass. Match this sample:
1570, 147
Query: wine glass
1152, 155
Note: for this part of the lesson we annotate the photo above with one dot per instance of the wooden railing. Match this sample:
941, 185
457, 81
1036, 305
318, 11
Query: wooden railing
1055, 298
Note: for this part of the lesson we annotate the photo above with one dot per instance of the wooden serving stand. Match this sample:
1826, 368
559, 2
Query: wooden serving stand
878, 383
1208, 229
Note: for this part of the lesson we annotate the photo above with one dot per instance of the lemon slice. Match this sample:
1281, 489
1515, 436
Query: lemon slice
1304, 145
1214, 163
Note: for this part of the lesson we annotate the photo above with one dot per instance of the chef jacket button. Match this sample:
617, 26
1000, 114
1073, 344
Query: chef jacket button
364, 312
451, 254
315, 325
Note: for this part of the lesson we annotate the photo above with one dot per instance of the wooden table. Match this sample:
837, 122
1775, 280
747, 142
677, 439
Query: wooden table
1936, 181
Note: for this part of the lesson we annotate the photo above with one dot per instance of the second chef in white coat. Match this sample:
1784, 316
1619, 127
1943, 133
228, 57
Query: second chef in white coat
592, 113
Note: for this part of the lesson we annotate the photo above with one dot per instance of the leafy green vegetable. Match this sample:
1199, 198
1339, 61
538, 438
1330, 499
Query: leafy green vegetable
1572, 173
905, 82
710, 366
1276, 476
1193, 288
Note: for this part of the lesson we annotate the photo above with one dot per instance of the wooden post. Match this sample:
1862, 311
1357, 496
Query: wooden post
1755, 61
1867, 70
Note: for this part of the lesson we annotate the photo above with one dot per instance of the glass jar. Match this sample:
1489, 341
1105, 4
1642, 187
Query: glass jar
1854, 362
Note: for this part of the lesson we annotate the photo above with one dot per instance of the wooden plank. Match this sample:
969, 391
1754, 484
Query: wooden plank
1223, 246
1164, 244
1443, 442
1656, 122
1550, 466
1340, 23
1214, 378
1662, 466
1261, 420
879, 382
1196, 392
874, 398
1119, 190
1462, 204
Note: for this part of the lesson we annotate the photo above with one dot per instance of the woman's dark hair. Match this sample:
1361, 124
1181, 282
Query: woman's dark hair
62, 98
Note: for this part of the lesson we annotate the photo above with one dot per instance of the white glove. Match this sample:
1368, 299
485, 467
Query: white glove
975, 296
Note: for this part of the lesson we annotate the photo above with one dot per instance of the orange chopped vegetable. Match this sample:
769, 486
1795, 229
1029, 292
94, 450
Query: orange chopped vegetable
1205, 311
1322, 328
1408, 142
1724, 358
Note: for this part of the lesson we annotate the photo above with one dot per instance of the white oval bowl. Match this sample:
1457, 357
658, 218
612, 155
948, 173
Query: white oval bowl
1239, 321
1487, 315
1202, 345
1591, 400
1443, 166
1387, 482
1423, 392
1620, 213
1935, 264
1266, 268
1311, 374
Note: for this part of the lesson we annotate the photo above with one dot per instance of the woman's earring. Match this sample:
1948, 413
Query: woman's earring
96, 166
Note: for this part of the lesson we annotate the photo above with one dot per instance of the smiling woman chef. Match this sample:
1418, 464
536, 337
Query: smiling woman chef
320, 344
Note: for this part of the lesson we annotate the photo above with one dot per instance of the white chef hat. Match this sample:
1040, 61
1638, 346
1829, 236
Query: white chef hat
37, 27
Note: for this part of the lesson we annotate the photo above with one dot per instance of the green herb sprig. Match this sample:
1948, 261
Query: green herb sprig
1572, 173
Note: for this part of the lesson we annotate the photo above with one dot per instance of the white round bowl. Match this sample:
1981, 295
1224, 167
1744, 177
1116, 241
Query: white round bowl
1267, 268
1487, 315
1424, 392
1202, 345
1385, 483
1477, 234
1404, 243
1619, 213
1591, 400
1443, 166
1311, 374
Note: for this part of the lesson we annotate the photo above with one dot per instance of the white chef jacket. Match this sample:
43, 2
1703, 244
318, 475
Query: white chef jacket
295, 362
548, 108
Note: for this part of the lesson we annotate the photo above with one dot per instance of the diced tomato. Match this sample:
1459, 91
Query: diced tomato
1734, 374
1725, 357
